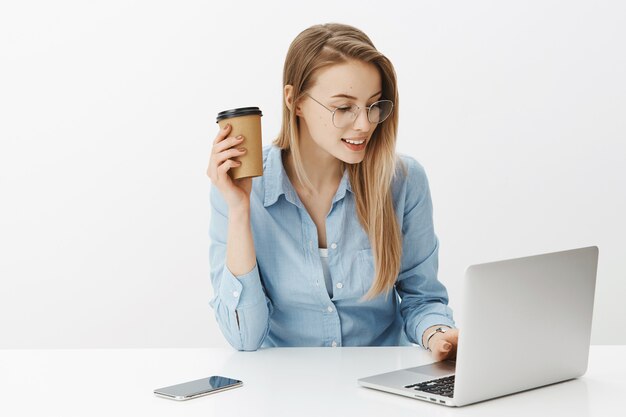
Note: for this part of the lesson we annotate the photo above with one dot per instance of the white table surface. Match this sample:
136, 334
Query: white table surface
277, 382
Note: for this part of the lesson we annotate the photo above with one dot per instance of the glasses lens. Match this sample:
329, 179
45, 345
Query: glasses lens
379, 111
345, 115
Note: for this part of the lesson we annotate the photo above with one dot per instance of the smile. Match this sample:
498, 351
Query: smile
354, 142
354, 145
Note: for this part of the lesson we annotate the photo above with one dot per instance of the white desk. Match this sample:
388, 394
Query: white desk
277, 382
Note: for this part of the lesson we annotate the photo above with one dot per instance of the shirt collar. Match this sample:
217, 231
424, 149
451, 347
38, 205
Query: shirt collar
276, 181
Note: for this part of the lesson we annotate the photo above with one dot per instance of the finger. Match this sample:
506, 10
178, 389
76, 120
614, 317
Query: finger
441, 349
438, 355
227, 143
217, 159
220, 158
228, 154
450, 347
442, 345
223, 133
222, 170
442, 356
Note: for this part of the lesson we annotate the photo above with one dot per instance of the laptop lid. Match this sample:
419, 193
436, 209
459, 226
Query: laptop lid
526, 323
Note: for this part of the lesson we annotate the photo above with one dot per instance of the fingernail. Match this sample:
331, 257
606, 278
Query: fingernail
227, 126
239, 137
241, 149
447, 346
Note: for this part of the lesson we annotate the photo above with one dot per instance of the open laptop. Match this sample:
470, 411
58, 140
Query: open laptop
526, 324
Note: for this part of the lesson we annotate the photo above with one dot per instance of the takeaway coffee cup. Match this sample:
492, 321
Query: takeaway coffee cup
245, 121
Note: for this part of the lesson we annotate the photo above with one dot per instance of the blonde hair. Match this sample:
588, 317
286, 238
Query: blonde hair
321, 46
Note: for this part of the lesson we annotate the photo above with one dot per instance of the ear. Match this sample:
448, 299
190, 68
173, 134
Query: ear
288, 92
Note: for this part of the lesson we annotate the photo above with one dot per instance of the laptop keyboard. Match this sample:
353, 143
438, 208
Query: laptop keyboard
441, 386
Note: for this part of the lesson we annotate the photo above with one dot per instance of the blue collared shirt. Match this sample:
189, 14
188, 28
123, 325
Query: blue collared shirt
283, 300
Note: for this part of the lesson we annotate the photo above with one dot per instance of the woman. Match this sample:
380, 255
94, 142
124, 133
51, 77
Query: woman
334, 245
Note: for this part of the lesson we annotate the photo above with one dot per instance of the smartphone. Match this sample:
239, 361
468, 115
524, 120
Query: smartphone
197, 388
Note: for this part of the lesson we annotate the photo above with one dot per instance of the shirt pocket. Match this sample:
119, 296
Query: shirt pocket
362, 272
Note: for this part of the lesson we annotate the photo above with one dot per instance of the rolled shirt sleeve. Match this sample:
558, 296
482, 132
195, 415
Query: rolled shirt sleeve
241, 307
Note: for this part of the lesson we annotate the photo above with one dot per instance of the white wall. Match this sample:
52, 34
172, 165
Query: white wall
107, 114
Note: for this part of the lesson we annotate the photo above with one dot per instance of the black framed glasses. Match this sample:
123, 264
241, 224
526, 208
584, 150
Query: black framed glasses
344, 116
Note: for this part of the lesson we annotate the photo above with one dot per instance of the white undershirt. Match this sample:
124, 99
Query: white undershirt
327, 280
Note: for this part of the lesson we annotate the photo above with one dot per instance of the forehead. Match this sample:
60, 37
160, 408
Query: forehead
354, 78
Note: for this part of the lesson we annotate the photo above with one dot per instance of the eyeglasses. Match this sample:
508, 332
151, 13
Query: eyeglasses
346, 115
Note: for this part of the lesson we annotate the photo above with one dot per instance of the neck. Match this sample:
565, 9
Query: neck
323, 170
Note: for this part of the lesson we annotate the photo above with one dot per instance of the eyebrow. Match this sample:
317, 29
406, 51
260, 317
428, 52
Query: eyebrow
351, 97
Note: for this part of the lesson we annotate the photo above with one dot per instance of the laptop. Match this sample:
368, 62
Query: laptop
526, 324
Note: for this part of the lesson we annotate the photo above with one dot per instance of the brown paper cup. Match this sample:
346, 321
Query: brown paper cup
245, 121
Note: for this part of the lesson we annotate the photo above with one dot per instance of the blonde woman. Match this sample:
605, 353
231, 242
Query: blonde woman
334, 245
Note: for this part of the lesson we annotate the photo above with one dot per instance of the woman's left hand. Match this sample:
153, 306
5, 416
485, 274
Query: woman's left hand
444, 345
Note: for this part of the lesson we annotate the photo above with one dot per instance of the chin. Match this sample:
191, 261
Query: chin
353, 159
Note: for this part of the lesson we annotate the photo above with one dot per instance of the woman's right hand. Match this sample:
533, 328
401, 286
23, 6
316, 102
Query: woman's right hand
237, 192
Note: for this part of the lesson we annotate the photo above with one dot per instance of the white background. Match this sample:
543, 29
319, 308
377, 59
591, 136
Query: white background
107, 114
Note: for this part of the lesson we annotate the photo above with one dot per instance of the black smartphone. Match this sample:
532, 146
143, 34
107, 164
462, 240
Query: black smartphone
197, 388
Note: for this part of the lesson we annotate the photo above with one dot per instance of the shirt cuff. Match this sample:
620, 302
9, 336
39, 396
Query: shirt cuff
429, 321
242, 291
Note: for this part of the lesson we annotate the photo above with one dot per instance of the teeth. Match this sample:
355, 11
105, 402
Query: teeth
354, 142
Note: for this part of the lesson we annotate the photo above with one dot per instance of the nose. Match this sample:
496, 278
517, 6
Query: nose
362, 122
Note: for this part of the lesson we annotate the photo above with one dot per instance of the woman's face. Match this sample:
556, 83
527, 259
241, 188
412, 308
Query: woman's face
339, 86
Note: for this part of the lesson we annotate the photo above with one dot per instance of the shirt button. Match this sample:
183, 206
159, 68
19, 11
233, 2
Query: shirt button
334, 344
339, 285
235, 294
330, 309
334, 246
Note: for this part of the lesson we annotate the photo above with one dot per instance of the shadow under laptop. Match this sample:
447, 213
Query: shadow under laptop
564, 398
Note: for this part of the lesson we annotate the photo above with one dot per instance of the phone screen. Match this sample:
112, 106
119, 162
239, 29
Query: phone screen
198, 387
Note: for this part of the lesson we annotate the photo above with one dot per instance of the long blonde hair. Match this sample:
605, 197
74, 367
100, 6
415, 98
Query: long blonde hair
321, 46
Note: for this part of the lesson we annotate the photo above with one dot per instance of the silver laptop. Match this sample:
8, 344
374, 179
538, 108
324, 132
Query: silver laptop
526, 324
